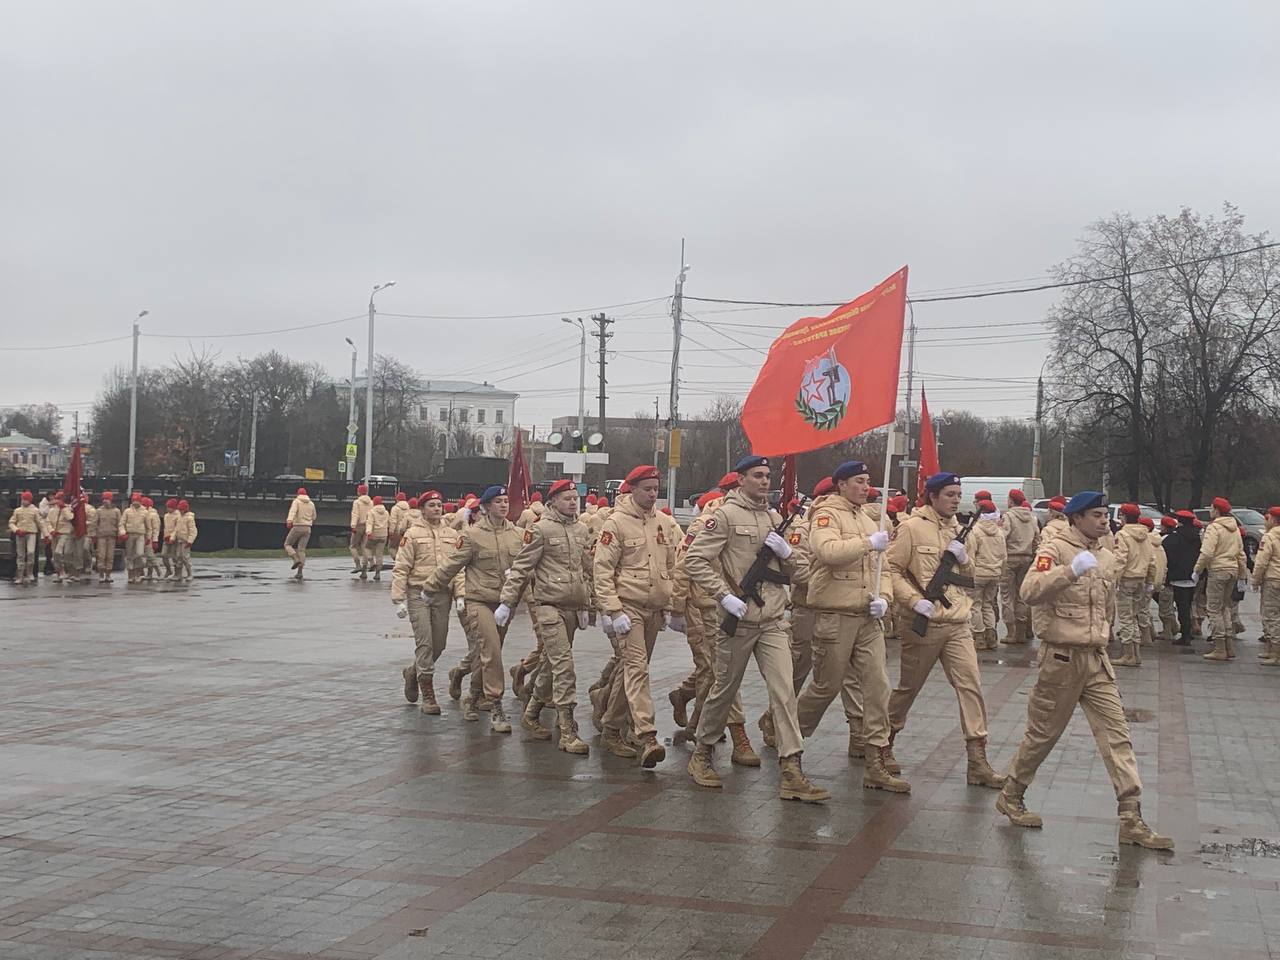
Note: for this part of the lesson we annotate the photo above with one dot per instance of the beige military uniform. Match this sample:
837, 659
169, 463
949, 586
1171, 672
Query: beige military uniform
106, 533
914, 554
85, 553
149, 555
184, 537
716, 561
554, 563
1164, 593
302, 517
1073, 619
398, 521
28, 529
1221, 562
377, 528
61, 521
1266, 577
633, 569
133, 527
989, 552
485, 550
360, 508
1021, 533
847, 640
169, 552
1136, 554
530, 515
423, 549
1054, 528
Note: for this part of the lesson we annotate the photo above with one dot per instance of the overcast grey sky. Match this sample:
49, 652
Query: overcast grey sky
237, 167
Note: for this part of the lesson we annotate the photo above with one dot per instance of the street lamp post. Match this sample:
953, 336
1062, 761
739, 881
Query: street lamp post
351, 413
133, 404
582, 374
368, 386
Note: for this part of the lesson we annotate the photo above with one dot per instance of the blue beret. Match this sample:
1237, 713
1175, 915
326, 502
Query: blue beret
1085, 500
497, 490
850, 468
940, 480
749, 461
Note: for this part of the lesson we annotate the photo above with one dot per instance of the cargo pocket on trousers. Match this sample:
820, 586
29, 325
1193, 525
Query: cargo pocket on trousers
826, 626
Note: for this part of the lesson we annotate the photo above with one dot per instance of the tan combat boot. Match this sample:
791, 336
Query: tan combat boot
498, 721
1270, 655
876, 776
979, 772
679, 706
1134, 830
652, 752
1146, 635
691, 731
857, 742
794, 785
1219, 651
456, 676
530, 719
569, 742
701, 769
744, 755
1231, 647
410, 683
429, 705
469, 711
1126, 659
612, 741
599, 697
890, 761
1010, 804
767, 731
1137, 654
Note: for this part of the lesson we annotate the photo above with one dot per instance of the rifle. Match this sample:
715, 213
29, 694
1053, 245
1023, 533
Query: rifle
759, 572
942, 578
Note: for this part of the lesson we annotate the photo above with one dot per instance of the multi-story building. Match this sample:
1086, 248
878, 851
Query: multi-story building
459, 412
31, 455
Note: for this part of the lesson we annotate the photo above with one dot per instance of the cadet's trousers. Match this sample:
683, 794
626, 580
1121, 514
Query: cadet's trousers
489, 639
26, 554
1218, 598
169, 553
556, 683
985, 594
359, 557
534, 656
374, 552
803, 623
1015, 608
430, 621
846, 648
182, 558
150, 556
770, 643
133, 559
61, 546
295, 543
1168, 612
1069, 675
629, 692
106, 554
470, 662
1131, 595
85, 555
1201, 609
1270, 612
952, 643
700, 631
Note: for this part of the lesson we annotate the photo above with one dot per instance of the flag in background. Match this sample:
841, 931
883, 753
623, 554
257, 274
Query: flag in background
73, 493
518, 478
831, 378
928, 449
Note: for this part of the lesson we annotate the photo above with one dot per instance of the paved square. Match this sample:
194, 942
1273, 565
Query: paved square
229, 771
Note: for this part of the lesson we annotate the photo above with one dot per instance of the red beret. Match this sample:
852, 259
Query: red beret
1185, 515
1168, 523
183, 505
148, 502
986, 506
592, 498
560, 486
1274, 512
537, 497
450, 507
982, 495
1130, 510
708, 497
302, 491
603, 501
136, 498
377, 501
413, 503
1222, 504
824, 486
873, 493
1147, 522
429, 495
26, 495
400, 495
897, 504
624, 487
361, 490
1058, 503
645, 471
171, 503
1017, 496
729, 481
108, 496
667, 511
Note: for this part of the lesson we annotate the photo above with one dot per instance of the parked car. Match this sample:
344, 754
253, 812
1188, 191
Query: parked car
1251, 521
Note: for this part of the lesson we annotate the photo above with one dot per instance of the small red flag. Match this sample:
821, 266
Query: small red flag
831, 378
518, 478
928, 449
73, 493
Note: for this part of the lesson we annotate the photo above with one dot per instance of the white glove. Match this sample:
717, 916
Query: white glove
584, 619
460, 604
1151, 590
506, 574
774, 541
502, 615
1195, 577
606, 624
1242, 585
402, 610
879, 607
622, 623
879, 541
466, 514
734, 606
1084, 562
957, 550
677, 623
924, 607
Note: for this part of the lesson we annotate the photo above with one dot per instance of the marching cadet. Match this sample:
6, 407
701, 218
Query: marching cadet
106, 535
988, 549
1057, 522
634, 564
1136, 582
1021, 533
150, 560
133, 527
415, 512
61, 524
423, 548
1266, 578
398, 521
169, 551
184, 536
530, 514
914, 556
360, 508
1222, 564
1145, 632
978, 498
717, 560
1072, 593
302, 516
86, 556
29, 529
897, 509
526, 666
848, 583
485, 550
1169, 629
377, 527
554, 563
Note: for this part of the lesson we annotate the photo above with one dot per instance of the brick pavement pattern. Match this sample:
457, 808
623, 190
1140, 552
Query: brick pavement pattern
255, 786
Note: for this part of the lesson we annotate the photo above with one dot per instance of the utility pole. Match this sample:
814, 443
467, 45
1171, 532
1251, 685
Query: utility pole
582, 375
1062, 462
911, 368
77, 428
351, 415
253, 441
1035, 445
133, 406
673, 410
368, 386
602, 334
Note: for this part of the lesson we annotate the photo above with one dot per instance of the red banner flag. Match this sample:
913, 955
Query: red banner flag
928, 449
73, 493
518, 478
828, 379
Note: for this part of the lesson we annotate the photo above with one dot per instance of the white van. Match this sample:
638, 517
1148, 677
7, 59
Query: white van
999, 488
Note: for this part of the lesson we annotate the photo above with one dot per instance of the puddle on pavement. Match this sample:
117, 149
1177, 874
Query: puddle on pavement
1245, 847
1135, 715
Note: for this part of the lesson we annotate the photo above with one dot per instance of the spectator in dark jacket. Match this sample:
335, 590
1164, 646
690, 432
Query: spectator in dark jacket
1182, 548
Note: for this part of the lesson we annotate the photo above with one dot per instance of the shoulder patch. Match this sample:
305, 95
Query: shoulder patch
824, 521
710, 524
461, 541
606, 538
661, 537
794, 539
528, 536
688, 538
1044, 563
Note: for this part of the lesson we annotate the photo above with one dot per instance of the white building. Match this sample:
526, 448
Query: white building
30, 455
452, 407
